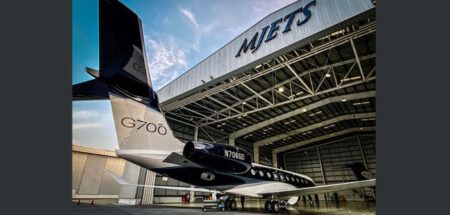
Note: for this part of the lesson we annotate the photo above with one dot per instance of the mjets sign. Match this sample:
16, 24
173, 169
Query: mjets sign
273, 28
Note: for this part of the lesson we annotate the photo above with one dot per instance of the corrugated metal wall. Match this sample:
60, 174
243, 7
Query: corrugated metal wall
88, 175
223, 63
333, 158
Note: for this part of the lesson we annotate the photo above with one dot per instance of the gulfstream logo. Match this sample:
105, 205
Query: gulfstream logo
256, 41
235, 155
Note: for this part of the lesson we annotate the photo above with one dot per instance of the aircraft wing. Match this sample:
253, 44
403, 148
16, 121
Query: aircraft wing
321, 188
122, 181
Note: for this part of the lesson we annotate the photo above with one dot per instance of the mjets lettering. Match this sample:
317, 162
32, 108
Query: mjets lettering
273, 28
234, 155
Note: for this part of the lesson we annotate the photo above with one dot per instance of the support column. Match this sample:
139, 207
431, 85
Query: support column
127, 194
321, 167
274, 159
192, 193
147, 197
255, 153
196, 133
362, 153
231, 141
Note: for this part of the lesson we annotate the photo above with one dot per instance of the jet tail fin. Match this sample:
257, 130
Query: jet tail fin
361, 172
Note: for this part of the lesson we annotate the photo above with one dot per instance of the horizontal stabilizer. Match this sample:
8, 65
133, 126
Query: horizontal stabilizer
122, 181
90, 90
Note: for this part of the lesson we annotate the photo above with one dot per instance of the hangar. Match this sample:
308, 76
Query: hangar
296, 93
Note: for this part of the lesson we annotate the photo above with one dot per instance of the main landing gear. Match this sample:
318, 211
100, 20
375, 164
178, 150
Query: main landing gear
272, 206
230, 204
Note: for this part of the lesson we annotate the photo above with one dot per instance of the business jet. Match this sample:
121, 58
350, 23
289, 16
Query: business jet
146, 139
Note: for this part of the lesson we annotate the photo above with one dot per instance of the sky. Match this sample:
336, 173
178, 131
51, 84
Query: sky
178, 34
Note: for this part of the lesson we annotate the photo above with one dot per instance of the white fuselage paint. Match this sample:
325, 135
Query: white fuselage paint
153, 160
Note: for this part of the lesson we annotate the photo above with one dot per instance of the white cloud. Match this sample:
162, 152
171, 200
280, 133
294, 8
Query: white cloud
85, 114
166, 61
87, 125
190, 16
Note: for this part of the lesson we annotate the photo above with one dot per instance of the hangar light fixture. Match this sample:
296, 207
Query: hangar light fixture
328, 75
244, 102
318, 112
361, 103
280, 89
289, 122
368, 119
351, 78
304, 110
344, 100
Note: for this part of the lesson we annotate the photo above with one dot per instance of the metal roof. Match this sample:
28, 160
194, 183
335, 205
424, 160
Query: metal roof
310, 91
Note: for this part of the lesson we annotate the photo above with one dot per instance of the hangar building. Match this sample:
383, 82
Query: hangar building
297, 90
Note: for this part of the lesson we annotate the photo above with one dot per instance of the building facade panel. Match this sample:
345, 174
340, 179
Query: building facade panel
92, 176
222, 64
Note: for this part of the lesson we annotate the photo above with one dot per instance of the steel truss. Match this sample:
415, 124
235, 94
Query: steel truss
265, 99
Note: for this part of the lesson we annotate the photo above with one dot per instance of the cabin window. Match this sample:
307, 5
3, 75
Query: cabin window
253, 172
268, 175
281, 176
275, 176
261, 173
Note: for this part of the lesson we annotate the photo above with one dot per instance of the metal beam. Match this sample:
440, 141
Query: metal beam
223, 104
324, 137
357, 59
257, 94
275, 138
320, 164
363, 30
300, 79
337, 87
315, 105
200, 114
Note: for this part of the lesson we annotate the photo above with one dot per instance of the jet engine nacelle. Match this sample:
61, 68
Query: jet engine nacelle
220, 157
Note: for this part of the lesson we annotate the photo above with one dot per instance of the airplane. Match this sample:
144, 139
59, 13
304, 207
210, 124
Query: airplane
145, 138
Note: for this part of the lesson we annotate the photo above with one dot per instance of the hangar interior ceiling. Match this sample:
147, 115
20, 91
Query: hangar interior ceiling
310, 93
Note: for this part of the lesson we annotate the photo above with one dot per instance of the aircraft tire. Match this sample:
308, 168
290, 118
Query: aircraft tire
275, 207
268, 206
233, 205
